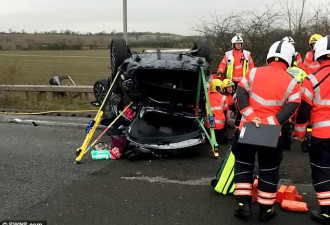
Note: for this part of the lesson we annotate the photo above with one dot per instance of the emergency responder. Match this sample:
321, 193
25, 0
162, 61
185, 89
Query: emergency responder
228, 90
315, 107
309, 64
298, 59
218, 104
267, 95
237, 62
298, 73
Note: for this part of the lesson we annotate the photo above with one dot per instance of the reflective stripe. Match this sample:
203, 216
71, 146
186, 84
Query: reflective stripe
265, 201
311, 66
252, 74
243, 192
290, 89
238, 67
266, 194
325, 194
310, 76
219, 121
317, 99
248, 112
321, 124
230, 64
300, 129
321, 102
299, 61
264, 102
324, 202
246, 84
313, 79
294, 97
243, 185
308, 94
223, 100
271, 120
216, 108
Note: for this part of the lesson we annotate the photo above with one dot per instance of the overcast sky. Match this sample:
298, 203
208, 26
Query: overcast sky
173, 16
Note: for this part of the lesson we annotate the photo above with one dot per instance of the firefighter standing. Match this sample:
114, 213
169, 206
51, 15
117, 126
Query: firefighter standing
298, 59
267, 95
237, 61
218, 104
309, 64
297, 72
315, 107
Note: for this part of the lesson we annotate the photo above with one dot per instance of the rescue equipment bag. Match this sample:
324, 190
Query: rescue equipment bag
224, 181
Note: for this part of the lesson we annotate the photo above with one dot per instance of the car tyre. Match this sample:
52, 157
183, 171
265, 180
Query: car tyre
118, 53
100, 89
204, 49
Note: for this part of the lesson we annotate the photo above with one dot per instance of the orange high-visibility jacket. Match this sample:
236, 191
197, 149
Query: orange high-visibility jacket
309, 66
218, 103
299, 60
265, 92
315, 104
238, 56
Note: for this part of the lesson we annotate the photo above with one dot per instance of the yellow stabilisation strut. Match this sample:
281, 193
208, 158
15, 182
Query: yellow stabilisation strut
107, 128
210, 116
91, 127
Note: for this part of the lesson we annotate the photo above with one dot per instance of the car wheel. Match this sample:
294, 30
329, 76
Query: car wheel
118, 53
100, 90
204, 49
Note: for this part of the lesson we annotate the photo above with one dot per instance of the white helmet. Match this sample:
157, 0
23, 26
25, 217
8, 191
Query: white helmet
322, 47
288, 39
237, 39
281, 49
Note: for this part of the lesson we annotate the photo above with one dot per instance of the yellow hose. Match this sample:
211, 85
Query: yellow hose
48, 112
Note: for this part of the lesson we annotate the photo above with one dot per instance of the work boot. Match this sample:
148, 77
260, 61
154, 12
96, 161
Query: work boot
266, 214
319, 217
243, 210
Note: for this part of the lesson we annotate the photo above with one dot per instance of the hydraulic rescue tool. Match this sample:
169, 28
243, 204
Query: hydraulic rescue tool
92, 125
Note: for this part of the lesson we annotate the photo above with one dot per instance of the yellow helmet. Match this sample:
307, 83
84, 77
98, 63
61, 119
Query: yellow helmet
314, 38
214, 84
227, 83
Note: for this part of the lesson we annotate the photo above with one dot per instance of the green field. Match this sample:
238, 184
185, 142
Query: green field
38, 67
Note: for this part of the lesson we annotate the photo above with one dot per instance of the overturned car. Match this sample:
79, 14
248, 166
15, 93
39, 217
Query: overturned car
166, 89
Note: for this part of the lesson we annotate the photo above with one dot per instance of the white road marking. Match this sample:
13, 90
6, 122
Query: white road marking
203, 181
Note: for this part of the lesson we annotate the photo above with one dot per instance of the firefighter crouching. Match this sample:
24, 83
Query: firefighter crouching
218, 103
267, 95
315, 107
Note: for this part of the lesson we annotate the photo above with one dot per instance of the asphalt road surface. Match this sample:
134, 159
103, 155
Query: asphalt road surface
38, 181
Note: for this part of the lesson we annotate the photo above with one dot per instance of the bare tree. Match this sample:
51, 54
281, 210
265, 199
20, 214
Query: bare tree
295, 14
